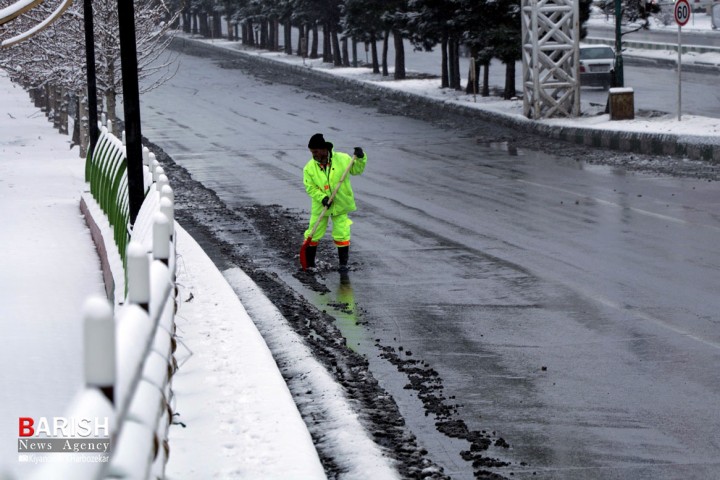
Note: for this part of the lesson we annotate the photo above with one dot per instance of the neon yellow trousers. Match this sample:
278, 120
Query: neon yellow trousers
340, 229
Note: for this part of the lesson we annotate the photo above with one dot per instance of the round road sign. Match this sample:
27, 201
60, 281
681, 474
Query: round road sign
682, 12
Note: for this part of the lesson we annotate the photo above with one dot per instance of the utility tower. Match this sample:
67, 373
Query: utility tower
550, 51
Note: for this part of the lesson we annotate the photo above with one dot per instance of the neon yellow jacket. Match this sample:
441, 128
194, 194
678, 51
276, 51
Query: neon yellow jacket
320, 183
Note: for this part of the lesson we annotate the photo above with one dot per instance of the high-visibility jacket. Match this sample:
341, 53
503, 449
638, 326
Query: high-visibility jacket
320, 183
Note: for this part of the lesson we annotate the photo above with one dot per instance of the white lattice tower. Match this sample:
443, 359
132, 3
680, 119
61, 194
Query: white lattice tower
550, 50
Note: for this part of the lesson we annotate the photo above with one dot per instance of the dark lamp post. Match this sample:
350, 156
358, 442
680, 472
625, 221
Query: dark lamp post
131, 104
91, 79
619, 77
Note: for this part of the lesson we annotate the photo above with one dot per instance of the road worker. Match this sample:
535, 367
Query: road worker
321, 175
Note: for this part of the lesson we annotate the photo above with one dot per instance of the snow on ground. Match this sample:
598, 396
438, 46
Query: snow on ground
48, 266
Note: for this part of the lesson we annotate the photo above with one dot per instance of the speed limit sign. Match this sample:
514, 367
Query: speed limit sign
682, 12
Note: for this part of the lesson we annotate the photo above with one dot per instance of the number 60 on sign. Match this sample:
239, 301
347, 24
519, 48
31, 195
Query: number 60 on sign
682, 12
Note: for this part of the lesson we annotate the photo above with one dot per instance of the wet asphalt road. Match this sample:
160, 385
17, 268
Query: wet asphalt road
571, 309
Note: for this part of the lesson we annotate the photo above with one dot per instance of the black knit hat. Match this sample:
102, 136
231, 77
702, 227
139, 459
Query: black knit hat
318, 141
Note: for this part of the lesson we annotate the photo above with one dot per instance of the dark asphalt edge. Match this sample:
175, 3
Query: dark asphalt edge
694, 147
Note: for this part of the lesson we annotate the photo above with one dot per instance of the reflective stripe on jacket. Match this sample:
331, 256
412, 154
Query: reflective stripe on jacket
320, 183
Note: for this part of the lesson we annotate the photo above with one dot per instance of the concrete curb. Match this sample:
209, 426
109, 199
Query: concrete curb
693, 147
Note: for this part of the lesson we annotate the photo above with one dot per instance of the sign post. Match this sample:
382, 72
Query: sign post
682, 16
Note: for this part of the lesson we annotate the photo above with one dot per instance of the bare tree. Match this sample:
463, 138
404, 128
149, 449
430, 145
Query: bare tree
56, 56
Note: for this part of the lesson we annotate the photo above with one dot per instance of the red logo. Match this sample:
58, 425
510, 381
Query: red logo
25, 427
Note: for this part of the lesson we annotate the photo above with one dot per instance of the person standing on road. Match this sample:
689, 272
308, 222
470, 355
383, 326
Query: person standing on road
321, 175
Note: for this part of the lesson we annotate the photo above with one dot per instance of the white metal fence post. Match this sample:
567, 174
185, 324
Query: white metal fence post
161, 237
154, 164
162, 180
99, 340
167, 208
138, 275
167, 192
157, 171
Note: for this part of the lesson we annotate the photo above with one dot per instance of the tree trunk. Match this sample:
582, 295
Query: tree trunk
327, 48
287, 31
272, 31
264, 36
276, 36
374, 53
354, 53
444, 80
64, 107
187, 20
486, 79
203, 24
217, 25
111, 102
451, 70
194, 24
250, 33
35, 95
455, 64
337, 59
314, 47
47, 104
111, 97
509, 81
82, 126
57, 118
302, 49
385, 53
399, 56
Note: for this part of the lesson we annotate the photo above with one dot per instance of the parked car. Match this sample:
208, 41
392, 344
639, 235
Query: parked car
597, 63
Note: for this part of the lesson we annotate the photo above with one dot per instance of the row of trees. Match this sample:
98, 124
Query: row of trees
485, 29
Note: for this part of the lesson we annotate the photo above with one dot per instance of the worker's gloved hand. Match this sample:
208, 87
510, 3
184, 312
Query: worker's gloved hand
326, 202
358, 152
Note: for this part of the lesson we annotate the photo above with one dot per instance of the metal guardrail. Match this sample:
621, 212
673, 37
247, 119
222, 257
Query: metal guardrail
646, 45
106, 172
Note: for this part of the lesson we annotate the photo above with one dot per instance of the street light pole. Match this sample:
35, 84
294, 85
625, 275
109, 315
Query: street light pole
91, 78
131, 104
619, 77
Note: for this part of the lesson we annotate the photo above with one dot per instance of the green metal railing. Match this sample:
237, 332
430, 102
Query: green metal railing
106, 172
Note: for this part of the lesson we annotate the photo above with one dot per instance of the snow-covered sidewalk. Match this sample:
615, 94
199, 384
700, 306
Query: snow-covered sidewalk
48, 266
